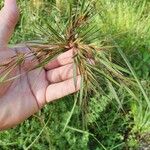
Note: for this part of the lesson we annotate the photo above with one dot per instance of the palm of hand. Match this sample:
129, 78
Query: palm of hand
24, 97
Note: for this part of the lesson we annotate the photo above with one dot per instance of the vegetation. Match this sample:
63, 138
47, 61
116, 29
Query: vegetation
112, 109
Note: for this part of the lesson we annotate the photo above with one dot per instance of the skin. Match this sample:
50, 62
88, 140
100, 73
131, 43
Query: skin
25, 95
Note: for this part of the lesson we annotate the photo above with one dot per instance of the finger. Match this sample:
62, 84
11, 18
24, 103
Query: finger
8, 19
63, 59
10, 3
61, 74
59, 90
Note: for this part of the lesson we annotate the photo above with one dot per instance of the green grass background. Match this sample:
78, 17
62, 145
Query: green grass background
128, 23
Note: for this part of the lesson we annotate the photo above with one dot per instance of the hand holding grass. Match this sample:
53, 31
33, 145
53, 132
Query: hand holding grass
29, 91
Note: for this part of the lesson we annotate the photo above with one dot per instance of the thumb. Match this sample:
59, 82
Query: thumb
9, 16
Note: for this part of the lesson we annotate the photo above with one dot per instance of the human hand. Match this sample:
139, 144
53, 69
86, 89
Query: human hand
27, 93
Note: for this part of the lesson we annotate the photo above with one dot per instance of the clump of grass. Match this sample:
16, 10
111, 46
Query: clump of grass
78, 30
129, 22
